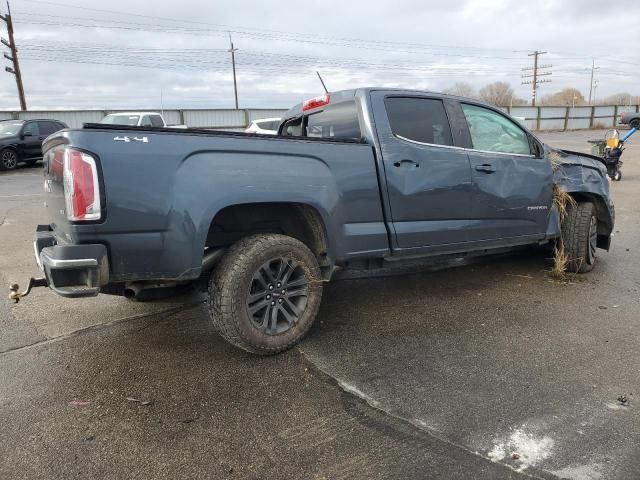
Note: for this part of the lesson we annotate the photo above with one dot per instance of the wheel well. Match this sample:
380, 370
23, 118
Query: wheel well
602, 215
296, 220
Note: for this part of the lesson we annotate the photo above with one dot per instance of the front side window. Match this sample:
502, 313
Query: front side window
492, 132
422, 120
32, 129
146, 121
338, 121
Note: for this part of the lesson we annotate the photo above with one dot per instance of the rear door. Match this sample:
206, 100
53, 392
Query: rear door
512, 186
428, 179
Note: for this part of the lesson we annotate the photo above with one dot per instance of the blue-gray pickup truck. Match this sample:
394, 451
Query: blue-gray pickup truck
353, 179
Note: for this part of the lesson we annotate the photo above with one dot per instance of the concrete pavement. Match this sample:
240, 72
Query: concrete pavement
487, 370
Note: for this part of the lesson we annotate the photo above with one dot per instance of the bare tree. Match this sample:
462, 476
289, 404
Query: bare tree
620, 99
565, 98
462, 89
500, 94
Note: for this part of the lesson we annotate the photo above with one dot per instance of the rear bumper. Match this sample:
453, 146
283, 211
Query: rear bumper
71, 270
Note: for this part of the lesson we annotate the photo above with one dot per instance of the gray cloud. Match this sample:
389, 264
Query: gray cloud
280, 46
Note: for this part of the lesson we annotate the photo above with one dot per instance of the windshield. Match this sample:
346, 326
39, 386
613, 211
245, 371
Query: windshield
10, 128
121, 120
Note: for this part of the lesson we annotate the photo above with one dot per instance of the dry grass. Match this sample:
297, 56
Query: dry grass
554, 160
560, 261
562, 201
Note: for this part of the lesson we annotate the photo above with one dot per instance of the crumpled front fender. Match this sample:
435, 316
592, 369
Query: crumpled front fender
585, 178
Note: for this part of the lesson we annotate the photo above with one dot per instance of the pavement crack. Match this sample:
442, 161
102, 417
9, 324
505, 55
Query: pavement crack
376, 405
10, 211
102, 326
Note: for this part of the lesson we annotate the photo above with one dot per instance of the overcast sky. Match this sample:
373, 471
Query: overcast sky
135, 53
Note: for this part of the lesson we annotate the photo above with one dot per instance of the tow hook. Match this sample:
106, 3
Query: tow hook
14, 288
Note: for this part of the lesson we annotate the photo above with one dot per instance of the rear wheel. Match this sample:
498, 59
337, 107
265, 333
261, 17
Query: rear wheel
265, 293
617, 176
8, 159
580, 237
635, 123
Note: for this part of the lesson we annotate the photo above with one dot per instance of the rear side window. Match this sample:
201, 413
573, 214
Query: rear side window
156, 121
338, 121
293, 127
47, 128
422, 120
269, 125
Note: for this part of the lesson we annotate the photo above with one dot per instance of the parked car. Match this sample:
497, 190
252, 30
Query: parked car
138, 119
265, 126
21, 140
357, 178
630, 118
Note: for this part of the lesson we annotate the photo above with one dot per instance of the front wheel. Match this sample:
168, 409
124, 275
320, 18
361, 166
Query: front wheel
8, 159
580, 237
265, 293
635, 123
617, 176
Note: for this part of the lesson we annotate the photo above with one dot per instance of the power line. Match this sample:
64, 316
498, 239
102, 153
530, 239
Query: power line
278, 34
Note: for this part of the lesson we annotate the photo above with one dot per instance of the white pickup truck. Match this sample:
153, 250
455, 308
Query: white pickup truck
138, 119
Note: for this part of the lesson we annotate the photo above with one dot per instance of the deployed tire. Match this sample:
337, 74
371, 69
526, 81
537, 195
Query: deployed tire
265, 293
635, 123
8, 159
580, 237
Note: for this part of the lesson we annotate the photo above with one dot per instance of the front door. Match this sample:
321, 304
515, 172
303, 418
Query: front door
428, 180
512, 187
31, 143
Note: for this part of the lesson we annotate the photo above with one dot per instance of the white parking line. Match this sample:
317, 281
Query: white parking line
11, 175
24, 195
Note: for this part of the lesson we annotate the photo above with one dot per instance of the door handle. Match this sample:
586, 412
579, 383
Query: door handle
406, 162
486, 168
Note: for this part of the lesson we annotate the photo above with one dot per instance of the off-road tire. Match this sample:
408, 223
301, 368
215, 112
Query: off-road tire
230, 284
579, 237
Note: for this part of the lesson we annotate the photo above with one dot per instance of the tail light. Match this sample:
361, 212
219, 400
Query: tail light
81, 188
316, 102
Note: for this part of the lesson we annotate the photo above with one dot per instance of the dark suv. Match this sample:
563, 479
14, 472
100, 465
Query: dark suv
21, 140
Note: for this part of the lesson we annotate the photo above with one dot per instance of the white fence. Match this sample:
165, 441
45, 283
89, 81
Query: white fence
571, 118
535, 118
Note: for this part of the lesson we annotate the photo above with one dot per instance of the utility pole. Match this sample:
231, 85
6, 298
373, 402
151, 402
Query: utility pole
233, 51
537, 72
594, 82
13, 57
